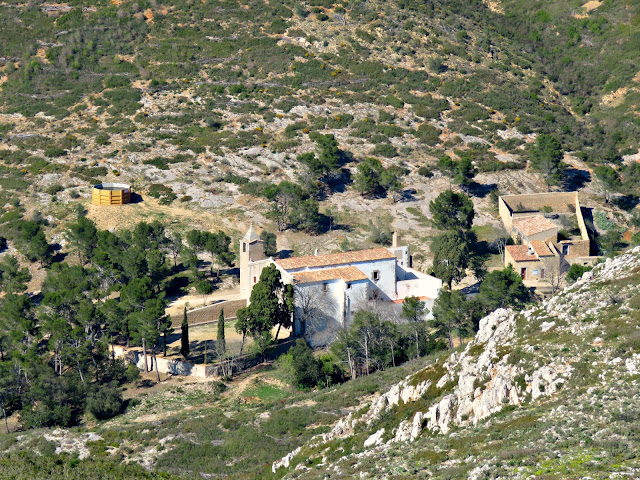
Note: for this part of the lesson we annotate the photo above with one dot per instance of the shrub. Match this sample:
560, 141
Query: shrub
386, 150
104, 402
392, 101
305, 366
576, 271
163, 193
425, 171
102, 139
54, 151
428, 134
53, 189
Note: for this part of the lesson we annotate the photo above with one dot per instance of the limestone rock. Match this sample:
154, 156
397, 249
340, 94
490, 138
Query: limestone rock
375, 439
285, 461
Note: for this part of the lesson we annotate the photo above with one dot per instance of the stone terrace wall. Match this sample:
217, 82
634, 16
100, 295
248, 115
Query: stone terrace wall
209, 313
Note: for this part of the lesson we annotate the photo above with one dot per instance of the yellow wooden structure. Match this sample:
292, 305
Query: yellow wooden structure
111, 194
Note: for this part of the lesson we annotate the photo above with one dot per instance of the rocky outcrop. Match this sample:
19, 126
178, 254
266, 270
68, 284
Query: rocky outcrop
285, 461
497, 368
403, 391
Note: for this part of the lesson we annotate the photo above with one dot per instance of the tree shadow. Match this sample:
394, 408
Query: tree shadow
481, 190
408, 195
179, 267
283, 254
197, 351
587, 216
335, 183
57, 254
626, 202
177, 286
575, 179
136, 198
171, 338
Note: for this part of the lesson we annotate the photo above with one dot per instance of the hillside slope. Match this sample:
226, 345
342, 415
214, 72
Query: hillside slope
550, 390
203, 104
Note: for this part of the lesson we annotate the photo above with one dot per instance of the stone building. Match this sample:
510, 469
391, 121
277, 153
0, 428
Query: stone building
330, 288
539, 223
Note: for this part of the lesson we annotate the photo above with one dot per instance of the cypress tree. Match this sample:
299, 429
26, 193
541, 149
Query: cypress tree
221, 344
184, 340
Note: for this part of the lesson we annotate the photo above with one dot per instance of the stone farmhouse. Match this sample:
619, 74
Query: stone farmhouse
538, 224
330, 288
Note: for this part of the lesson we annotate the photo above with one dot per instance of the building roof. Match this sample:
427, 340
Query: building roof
520, 253
342, 258
251, 235
532, 225
348, 274
541, 248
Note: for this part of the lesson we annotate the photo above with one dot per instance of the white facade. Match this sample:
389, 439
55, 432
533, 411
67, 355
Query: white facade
330, 288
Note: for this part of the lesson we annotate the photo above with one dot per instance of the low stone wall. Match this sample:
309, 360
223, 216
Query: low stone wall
210, 313
134, 356
165, 365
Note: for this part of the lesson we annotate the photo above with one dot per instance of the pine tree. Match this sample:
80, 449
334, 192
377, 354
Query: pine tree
414, 310
221, 344
184, 339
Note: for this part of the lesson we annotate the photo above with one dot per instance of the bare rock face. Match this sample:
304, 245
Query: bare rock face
285, 461
492, 371
375, 439
401, 391
633, 364
343, 428
546, 380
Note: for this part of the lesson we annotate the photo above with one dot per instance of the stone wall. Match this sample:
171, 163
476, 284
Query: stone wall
560, 202
209, 313
134, 356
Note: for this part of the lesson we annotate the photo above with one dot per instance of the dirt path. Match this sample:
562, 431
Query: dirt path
248, 379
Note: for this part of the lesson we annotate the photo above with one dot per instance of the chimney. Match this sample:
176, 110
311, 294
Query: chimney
315, 252
394, 240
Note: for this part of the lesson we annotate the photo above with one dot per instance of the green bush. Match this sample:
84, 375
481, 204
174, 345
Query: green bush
425, 171
386, 150
576, 271
162, 192
429, 134
53, 189
54, 151
104, 402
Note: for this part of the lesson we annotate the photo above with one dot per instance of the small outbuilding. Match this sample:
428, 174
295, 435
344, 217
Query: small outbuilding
111, 194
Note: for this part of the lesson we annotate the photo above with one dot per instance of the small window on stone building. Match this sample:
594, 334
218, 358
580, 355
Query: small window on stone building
244, 247
565, 249
348, 286
375, 276
325, 287
254, 279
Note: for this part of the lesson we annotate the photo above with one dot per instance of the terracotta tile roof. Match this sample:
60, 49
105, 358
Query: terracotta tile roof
532, 225
335, 258
348, 274
520, 253
541, 248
